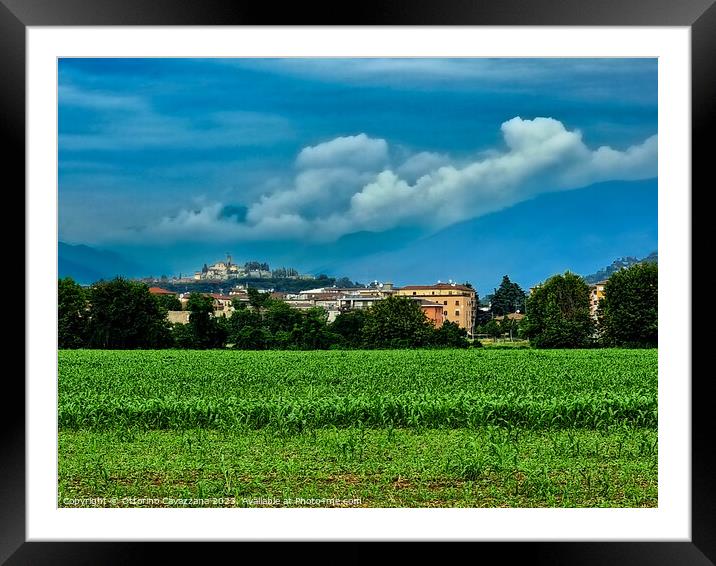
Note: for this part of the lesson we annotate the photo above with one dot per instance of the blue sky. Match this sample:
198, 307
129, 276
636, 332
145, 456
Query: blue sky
326, 163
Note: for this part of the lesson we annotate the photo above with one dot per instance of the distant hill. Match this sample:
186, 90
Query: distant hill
571, 230
87, 265
618, 264
278, 284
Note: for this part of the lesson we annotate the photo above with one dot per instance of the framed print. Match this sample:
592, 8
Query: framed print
393, 278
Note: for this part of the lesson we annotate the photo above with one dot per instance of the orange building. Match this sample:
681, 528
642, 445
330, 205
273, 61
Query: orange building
596, 294
457, 301
434, 311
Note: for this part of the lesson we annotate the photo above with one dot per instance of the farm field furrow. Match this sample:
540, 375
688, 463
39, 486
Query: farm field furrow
485, 467
403, 388
391, 428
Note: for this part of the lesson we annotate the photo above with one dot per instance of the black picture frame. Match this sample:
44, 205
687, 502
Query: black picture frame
699, 15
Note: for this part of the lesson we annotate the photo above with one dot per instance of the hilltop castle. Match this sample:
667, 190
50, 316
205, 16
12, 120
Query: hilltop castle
224, 270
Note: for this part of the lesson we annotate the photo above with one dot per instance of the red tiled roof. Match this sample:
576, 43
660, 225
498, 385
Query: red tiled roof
160, 291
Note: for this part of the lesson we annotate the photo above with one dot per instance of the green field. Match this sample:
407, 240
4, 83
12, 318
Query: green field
418, 428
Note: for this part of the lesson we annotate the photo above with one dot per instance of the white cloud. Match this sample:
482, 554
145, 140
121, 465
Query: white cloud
130, 123
358, 152
341, 187
394, 70
147, 129
315, 193
582, 78
420, 164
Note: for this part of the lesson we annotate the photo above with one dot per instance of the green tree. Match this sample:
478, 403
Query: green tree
344, 282
281, 317
510, 327
182, 335
558, 313
482, 316
397, 322
508, 298
493, 328
71, 314
349, 327
257, 299
124, 315
256, 266
168, 302
207, 331
314, 332
246, 330
450, 335
628, 313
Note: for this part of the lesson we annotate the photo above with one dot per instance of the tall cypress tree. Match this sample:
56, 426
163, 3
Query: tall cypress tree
508, 298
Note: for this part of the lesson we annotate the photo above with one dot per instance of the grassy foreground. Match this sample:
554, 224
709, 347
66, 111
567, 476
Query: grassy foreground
517, 428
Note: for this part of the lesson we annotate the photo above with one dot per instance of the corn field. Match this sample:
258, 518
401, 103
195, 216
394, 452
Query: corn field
295, 391
392, 428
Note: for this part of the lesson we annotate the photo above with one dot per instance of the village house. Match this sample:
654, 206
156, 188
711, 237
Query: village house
180, 316
440, 302
222, 304
434, 311
458, 301
596, 294
356, 301
160, 291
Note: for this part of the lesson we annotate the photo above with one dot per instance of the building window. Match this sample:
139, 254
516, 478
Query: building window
433, 292
445, 313
457, 303
413, 292
445, 303
457, 313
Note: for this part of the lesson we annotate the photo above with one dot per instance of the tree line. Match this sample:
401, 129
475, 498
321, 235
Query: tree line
558, 315
123, 314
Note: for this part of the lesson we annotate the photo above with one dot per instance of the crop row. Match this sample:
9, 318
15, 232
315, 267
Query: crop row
209, 374
404, 411
303, 390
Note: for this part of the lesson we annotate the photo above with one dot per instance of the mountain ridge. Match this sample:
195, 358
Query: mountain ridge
620, 263
554, 232
86, 264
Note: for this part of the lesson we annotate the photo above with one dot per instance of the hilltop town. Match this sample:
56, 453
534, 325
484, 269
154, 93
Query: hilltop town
228, 284
224, 270
440, 302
